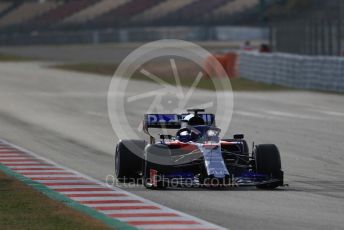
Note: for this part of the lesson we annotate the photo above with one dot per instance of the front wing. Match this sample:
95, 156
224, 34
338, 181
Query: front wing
196, 179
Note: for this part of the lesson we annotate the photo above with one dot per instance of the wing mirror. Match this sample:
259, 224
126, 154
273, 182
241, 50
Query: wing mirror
238, 136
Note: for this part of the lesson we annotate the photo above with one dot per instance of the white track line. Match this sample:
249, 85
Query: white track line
294, 115
133, 211
15, 158
91, 192
74, 186
34, 177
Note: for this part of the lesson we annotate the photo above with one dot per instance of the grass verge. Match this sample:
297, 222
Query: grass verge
238, 84
22, 207
12, 58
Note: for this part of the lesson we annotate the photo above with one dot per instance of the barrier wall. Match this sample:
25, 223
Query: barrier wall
227, 61
297, 71
142, 34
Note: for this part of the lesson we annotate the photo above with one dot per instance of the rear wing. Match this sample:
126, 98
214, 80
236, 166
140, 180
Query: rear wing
172, 121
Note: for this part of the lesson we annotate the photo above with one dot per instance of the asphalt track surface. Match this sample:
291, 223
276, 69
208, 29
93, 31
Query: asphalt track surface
62, 116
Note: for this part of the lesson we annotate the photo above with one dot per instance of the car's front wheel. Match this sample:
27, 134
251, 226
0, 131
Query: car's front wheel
268, 161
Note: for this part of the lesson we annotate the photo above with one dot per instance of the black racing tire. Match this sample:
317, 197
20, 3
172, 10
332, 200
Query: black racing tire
152, 152
128, 165
268, 161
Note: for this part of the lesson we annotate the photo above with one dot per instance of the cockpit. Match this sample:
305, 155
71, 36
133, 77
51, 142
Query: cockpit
199, 133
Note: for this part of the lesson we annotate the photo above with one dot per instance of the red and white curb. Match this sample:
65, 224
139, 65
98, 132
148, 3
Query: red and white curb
112, 201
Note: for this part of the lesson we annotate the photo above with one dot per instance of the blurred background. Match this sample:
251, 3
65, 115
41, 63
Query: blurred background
311, 30
294, 26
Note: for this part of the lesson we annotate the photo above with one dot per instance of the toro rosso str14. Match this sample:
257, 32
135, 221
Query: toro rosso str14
196, 156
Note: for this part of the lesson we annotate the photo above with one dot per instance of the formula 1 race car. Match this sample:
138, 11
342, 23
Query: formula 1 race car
196, 156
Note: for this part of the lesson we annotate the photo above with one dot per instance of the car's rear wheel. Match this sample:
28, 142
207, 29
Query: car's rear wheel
129, 159
268, 161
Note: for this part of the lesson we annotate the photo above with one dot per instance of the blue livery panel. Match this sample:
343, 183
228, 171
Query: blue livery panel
172, 121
